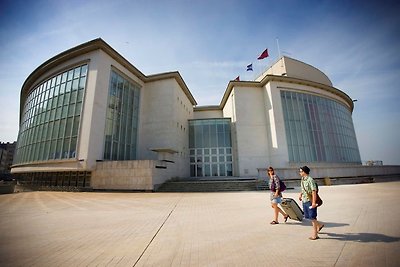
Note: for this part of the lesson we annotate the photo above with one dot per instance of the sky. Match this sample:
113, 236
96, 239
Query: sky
210, 42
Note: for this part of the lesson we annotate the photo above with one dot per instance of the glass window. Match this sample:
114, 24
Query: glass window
318, 129
45, 105
70, 75
122, 118
209, 141
75, 84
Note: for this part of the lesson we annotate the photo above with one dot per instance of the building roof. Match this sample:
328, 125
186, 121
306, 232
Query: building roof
289, 67
93, 45
290, 70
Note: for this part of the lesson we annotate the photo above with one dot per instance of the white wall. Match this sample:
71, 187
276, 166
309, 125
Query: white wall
230, 112
91, 131
207, 114
294, 68
164, 114
278, 153
250, 128
183, 113
301, 70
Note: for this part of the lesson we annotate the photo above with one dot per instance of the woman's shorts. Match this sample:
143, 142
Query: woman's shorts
277, 200
309, 213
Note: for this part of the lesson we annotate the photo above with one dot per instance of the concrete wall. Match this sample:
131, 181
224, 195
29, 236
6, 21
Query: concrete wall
92, 123
207, 114
52, 166
129, 175
301, 70
294, 68
250, 130
334, 172
278, 151
164, 114
230, 112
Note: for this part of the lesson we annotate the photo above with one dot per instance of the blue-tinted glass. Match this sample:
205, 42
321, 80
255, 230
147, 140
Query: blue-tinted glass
318, 129
40, 109
209, 140
122, 119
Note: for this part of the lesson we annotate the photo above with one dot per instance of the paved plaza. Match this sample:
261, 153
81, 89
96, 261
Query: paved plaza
362, 228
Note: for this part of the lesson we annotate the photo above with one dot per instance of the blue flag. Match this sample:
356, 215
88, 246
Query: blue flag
250, 67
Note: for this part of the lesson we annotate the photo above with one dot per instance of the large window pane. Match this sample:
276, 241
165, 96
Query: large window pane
210, 142
52, 108
122, 118
318, 129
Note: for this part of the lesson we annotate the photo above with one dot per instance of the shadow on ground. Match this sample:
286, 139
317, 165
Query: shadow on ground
326, 224
363, 237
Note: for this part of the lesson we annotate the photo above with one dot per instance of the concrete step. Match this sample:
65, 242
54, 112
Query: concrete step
212, 185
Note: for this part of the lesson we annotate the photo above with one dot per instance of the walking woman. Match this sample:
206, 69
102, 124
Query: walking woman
308, 196
276, 196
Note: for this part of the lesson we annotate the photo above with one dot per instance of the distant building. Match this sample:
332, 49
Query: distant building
6, 156
89, 118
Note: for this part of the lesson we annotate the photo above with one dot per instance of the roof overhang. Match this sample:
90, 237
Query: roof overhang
284, 79
90, 46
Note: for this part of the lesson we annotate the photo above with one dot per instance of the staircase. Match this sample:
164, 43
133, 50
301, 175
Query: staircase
190, 185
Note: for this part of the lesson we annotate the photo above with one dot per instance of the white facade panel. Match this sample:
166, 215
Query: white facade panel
251, 132
278, 153
164, 112
207, 114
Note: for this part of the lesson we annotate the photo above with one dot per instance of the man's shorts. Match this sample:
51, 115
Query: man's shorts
310, 214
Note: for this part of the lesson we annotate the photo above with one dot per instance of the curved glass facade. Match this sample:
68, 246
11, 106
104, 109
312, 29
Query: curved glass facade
210, 147
51, 117
122, 119
318, 129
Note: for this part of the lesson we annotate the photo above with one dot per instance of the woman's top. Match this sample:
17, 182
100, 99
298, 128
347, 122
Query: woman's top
274, 184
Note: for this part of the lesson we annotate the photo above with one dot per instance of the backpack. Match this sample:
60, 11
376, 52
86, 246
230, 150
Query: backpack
282, 186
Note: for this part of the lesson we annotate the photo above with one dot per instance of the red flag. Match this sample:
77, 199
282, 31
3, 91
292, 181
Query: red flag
237, 79
263, 54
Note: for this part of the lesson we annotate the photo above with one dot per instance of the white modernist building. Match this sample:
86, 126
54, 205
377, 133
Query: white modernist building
89, 118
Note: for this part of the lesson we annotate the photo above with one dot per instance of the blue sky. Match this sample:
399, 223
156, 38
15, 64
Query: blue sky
355, 43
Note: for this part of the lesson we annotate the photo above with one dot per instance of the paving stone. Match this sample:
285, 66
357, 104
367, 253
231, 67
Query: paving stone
362, 228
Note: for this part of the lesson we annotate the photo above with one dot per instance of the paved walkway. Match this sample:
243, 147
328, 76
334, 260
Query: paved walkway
362, 228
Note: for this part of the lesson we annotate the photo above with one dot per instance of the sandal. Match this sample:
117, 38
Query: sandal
313, 238
274, 222
322, 226
287, 216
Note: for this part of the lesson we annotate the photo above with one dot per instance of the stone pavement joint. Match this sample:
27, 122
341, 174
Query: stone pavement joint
362, 228
157, 232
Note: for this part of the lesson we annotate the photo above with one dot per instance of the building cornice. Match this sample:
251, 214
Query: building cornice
274, 78
173, 75
97, 44
207, 108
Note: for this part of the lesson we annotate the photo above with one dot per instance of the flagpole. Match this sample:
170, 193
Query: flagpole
279, 50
